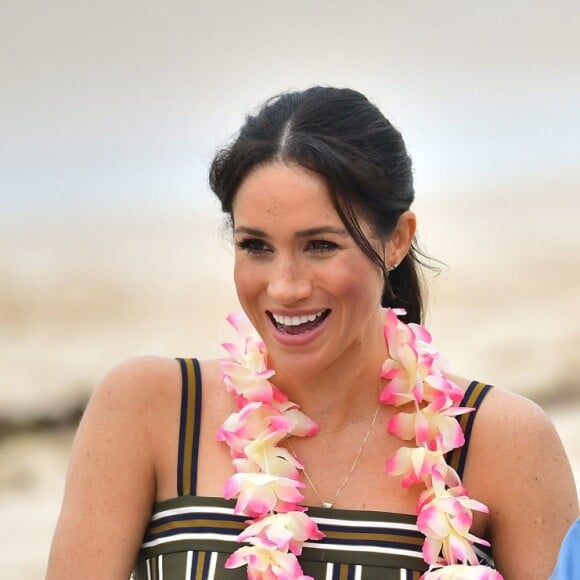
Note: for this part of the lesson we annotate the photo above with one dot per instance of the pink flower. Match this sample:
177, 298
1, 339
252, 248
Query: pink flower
460, 572
404, 384
241, 324
260, 493
446, 520
410, 361
441, 393
427, 428
286, 532
293, 421
261, 420
444, 481
244, 426
446, 526
267, 564
414, 368
397, 333
247, 384
245, 374
269, 458
414, 464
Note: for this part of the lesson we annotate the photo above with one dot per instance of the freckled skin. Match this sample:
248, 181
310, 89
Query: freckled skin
281, 200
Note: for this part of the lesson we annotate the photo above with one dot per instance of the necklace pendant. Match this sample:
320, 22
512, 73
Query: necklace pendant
326, 505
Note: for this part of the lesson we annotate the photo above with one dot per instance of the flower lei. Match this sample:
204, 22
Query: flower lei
267, 480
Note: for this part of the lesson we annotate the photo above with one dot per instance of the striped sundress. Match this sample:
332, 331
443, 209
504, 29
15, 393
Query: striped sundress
190, 537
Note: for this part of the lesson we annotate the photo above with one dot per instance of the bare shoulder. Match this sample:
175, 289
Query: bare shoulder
112, 476
518, 467
140, 378
123, 459
512, 427
132, 400
506, 420
146, 377
128, 408
147, 391
514, 436
508, 417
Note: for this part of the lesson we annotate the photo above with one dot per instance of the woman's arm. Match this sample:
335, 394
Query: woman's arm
111, 481
528, 484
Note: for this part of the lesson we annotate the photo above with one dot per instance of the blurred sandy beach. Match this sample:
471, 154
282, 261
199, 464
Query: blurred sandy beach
78, 296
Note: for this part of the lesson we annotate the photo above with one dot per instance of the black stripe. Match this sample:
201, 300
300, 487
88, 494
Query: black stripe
457, 457
195, 564
469, 425
196, 426
206, 564
192, 530
200, 516
182, 426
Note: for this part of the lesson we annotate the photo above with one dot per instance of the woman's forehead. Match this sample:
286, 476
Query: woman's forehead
278, 190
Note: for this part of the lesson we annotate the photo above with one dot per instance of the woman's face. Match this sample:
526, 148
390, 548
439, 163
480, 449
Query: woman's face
306, 286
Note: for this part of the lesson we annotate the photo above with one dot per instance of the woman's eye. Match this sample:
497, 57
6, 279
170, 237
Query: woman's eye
322, 246
252, 246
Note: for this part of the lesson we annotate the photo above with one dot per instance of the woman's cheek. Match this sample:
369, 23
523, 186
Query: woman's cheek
354, 280
245, 280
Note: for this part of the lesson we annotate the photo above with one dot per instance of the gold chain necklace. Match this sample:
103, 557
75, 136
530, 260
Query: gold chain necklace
344, 425
326, 504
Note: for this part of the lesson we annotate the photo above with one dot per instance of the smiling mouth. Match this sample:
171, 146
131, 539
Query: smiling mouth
298, 324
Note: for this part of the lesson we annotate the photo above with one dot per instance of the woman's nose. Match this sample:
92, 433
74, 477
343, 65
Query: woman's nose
289, 282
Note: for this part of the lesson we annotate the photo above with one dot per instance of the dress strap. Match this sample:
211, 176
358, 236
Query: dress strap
473, 397
189, 426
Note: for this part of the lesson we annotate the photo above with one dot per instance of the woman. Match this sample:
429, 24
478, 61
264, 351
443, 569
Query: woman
318, 186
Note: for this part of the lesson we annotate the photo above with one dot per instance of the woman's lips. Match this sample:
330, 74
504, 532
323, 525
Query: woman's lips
298, 324
301, 328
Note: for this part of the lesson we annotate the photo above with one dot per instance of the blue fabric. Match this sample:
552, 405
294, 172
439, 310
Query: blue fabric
568, 564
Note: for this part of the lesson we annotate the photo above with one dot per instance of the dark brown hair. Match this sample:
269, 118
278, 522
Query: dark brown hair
342, 136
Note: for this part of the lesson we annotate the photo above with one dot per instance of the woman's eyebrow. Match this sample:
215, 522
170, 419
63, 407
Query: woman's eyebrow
321, 230
299, 234
250, 231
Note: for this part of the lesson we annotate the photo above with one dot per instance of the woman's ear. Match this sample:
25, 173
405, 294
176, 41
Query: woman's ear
401, 239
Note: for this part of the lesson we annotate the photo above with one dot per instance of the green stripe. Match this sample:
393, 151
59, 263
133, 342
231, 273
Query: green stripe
189, 425
196, 523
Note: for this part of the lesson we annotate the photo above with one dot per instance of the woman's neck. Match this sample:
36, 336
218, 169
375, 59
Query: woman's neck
347, 389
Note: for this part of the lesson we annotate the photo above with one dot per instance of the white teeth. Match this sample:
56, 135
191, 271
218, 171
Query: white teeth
296, 320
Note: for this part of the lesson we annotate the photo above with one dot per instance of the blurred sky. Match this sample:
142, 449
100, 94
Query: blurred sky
112, 103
